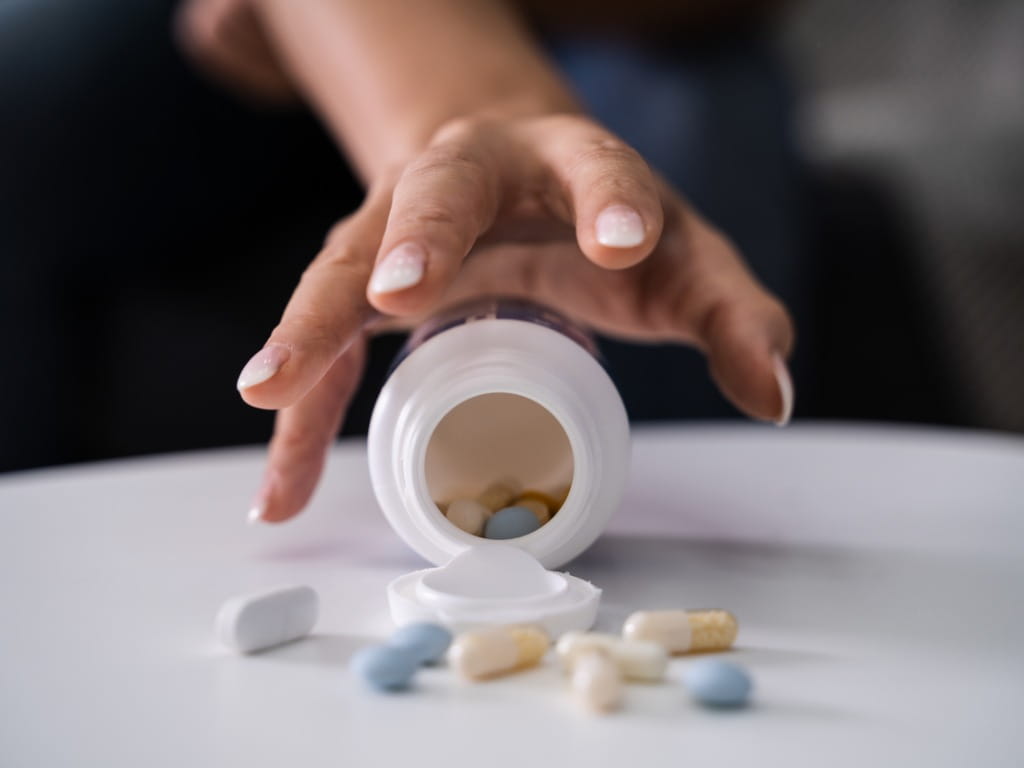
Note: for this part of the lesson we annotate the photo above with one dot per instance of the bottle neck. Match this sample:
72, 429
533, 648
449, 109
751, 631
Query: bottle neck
496, 308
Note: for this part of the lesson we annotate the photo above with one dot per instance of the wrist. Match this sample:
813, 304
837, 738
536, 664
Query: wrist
421, 125
385, 76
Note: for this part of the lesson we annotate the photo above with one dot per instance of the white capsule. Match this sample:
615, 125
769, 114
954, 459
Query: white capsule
636, 660
497, 651
683, 631
469, 515
596, 681
261, 620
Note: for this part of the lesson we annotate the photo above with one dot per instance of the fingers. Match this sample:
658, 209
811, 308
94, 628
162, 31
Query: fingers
606, 188
303, 434
747, 351
745, 331
450, 196
441, 204
325, 313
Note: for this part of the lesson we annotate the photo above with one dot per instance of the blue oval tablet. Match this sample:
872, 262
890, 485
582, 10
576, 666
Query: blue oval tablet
511, 523
427, 642
717, 683
384, 667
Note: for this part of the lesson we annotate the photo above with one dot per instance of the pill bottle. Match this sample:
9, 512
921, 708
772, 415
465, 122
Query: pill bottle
496, 388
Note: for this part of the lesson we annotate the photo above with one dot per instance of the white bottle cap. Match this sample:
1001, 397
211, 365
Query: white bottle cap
493, 583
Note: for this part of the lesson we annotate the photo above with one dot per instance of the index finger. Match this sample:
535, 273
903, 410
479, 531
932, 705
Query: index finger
324, 315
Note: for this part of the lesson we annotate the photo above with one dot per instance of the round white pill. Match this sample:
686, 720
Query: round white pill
469, 515
261, 620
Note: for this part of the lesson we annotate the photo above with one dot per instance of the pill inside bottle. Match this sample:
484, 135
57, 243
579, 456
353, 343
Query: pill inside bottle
499, 465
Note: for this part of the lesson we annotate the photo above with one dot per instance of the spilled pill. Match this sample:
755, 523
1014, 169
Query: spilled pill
261, 620
511, 523
468, 514
683, 631
596, 681
486, 653
385, 667
717, 683
636, 659
426, 641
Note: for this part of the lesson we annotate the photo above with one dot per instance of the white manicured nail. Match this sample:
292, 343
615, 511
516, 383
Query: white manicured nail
785, 383
261, 501
255, 514
620, 227
263, 365
401, 268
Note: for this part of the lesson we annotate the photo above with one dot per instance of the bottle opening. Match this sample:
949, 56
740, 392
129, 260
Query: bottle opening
499, 465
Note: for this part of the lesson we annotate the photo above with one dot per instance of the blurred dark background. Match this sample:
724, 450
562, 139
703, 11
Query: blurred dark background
870, 164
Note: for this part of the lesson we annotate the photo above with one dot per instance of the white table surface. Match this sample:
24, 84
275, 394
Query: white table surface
877, 575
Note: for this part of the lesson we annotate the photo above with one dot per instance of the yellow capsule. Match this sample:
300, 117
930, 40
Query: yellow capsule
540, 510
497, 651
683, 631
596, 681
636, 660
499, 493
469, 515
546, 499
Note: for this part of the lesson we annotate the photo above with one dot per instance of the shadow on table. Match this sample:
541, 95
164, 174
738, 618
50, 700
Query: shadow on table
319, 649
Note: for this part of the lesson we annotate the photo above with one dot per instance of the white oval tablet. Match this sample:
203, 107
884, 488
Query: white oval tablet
260, 620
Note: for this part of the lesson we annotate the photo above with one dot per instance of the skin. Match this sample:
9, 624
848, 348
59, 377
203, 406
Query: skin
473, 150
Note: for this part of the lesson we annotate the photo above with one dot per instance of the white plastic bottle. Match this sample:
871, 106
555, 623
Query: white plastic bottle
498, 388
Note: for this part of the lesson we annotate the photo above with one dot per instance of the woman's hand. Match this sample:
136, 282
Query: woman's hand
551, 208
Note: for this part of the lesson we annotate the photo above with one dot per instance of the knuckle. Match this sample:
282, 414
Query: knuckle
718, 321
566, 121
335, 233
315, 331
334, 261
622, 188
606, 151
459, 130
430, 216
446, 159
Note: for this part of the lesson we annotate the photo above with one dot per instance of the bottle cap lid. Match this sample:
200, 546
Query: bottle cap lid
494, 583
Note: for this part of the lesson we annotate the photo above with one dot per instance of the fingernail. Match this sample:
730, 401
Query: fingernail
260, 503
785, 383
401, 268
619, 226
256, 512
263, 365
